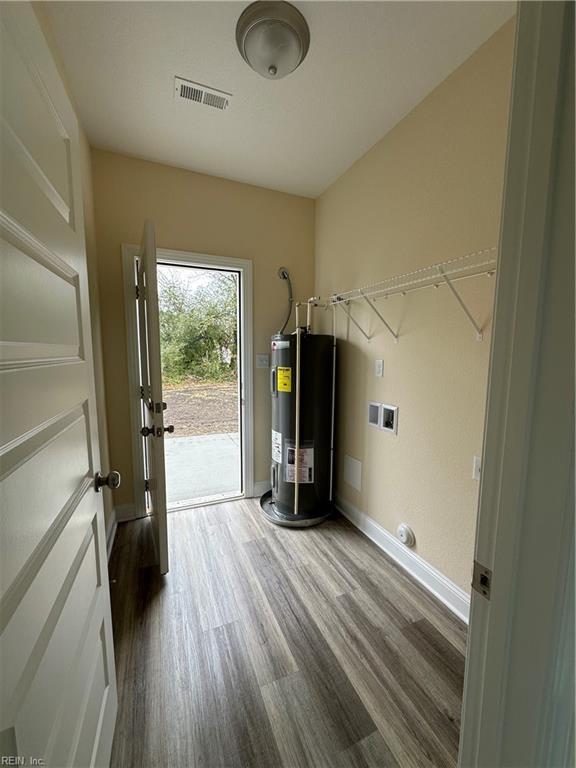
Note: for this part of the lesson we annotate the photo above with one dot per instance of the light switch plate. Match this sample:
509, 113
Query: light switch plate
378, 367
476, 468
262, 360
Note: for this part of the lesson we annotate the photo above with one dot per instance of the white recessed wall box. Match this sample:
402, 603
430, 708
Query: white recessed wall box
374, 414
353, 472
389, 418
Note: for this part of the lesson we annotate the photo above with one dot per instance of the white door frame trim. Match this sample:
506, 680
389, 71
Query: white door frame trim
503, 537
189, 258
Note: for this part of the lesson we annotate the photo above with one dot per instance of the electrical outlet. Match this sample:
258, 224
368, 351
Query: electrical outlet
262, 361
476, 468
378, 367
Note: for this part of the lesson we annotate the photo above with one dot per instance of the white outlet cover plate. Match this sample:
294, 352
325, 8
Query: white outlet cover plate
262, 360
378, 367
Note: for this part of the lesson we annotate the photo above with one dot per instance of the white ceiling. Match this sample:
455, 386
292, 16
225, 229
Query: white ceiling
368, 65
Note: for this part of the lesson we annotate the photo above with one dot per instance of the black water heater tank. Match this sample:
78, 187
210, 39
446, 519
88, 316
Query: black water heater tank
316, 393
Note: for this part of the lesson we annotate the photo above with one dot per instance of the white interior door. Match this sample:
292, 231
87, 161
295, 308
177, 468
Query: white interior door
151, 393
57, 677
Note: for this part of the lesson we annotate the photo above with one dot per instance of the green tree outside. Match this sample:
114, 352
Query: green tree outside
198, 325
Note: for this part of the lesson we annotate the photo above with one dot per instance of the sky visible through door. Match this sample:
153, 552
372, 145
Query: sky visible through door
199, 344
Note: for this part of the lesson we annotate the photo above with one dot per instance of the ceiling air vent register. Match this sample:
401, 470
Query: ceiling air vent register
188, 90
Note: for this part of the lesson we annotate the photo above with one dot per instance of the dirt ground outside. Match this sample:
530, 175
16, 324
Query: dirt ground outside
201, 408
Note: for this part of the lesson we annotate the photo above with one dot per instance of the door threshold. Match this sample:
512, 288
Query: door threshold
204, 502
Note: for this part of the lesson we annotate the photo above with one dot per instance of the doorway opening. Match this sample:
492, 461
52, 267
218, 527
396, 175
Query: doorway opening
201, 344
198, 273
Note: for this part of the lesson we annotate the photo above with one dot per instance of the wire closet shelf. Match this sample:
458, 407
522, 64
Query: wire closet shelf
473, 264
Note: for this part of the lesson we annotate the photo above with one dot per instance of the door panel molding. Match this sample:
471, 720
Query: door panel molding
24, 240
34, 169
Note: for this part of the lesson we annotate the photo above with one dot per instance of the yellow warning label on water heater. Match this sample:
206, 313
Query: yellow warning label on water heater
284, 379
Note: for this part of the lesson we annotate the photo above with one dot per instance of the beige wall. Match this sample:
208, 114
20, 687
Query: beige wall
204, 214
428, 191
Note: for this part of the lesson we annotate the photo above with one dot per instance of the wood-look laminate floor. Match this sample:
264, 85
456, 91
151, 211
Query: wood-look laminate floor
273, 647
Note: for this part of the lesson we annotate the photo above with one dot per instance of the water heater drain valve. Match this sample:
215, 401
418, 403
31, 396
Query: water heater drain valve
406, 535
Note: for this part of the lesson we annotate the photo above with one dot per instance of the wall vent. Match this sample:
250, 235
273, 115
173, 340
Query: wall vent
188, 90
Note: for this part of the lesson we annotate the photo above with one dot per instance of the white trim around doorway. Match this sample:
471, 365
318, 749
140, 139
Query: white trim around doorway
187, 258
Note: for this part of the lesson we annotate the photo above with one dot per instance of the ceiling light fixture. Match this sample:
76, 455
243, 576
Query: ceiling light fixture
273, 38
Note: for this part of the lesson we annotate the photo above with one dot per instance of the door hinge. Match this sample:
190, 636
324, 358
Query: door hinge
482, 579
146, 485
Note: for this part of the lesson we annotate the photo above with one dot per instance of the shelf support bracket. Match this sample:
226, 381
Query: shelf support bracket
377, 313
479, 332
349, 316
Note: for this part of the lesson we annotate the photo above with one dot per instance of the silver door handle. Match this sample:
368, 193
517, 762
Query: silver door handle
112, 480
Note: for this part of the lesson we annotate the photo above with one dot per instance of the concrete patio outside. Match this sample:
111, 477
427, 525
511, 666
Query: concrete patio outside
201, 466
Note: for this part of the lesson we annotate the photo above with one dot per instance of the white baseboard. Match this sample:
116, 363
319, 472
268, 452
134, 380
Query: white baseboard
435, 582
111, 527
125, 512
260, 488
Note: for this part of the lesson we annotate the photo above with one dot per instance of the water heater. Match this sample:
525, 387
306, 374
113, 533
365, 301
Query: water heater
302, 392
